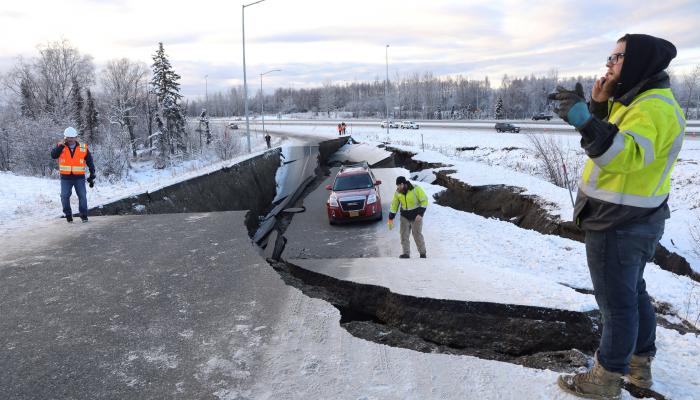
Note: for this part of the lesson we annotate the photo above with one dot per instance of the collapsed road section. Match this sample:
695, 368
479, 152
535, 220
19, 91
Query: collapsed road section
263, 185
527, 335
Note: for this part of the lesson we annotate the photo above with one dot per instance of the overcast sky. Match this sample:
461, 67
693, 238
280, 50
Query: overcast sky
312, 41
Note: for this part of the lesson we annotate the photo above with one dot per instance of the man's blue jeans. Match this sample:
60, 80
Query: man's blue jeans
66, 188
616, 260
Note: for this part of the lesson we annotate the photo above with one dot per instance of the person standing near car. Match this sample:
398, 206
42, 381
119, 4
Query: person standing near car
413, 202
632, 132
73, 157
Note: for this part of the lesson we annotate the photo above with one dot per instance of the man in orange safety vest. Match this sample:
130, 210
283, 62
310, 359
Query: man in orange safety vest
73, 157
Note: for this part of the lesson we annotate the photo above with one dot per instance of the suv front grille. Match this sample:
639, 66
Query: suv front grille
352, 205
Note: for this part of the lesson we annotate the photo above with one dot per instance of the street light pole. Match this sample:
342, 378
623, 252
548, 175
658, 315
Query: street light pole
262, 97
206, 93
245, 80
386, 92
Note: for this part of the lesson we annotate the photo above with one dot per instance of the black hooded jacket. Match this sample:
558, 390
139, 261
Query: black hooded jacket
646, 58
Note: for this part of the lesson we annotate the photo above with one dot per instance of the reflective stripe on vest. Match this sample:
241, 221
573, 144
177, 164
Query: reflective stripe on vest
591, 189
404, 204
75, 164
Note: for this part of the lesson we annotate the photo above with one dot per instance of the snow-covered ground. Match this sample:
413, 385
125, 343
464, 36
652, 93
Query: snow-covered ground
466, 250
507, 153
473, 258
26, 200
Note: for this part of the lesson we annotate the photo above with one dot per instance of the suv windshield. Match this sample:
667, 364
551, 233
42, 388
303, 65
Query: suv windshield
350, 182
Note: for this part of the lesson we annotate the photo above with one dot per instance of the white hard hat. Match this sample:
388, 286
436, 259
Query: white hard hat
70, 132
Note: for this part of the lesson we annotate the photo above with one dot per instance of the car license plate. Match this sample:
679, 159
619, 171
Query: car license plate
354, 213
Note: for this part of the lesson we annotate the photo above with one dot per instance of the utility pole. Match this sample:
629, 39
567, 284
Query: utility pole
386, 92
245, 80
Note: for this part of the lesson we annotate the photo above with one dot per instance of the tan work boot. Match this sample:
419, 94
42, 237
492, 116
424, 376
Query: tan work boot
598, 383
640, 372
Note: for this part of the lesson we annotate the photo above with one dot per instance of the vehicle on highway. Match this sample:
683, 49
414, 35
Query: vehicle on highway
233, 125
408, 125
506, 127
392, 124
539, 116
354, 195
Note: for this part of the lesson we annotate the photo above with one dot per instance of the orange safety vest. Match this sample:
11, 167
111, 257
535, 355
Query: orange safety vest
75, 164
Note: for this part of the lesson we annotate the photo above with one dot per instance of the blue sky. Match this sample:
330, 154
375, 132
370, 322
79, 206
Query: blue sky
313, 41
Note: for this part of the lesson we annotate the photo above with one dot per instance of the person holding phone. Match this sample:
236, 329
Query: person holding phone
632, 132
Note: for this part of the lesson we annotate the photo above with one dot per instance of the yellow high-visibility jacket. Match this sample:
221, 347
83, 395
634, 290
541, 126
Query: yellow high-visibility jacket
410, 202
636, 169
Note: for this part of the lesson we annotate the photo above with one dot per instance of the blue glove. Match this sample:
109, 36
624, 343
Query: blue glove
572, 106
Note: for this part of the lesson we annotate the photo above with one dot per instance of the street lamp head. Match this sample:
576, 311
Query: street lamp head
252, 4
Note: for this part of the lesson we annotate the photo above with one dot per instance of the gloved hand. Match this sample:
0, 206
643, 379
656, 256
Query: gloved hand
91, 180
390, 224
572, 105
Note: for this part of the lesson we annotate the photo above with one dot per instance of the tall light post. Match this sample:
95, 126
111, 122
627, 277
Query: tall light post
206, 93
262, 97
386, 92
245, 81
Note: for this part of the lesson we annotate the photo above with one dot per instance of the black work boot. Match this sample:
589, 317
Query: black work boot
84, 219
404, 256
423, 255
69, 218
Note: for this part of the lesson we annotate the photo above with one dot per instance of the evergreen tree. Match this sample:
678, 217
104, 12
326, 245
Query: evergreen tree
90, 130
78, 103
167, 90
27, 101
165, 80
499, 108
160, 145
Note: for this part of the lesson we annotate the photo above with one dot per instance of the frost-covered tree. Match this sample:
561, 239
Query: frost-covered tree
690, 84
499, 108
327, 102
164, 80
91, 134
167, 91
124, 83
160, 145
77, 103
203, 127
48, 79
27, 101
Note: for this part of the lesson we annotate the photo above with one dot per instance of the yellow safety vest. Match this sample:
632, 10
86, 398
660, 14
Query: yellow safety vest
636, 169
413, 199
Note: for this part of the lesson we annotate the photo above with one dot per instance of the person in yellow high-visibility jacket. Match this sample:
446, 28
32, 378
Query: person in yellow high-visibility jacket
413, 202
632, 132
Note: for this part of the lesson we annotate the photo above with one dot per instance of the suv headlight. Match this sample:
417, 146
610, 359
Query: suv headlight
333, 201
372, 198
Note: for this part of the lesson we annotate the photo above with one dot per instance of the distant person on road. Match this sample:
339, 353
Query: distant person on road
268, 139
340, 129
73, 157
632, 132
413, 203
343, 127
